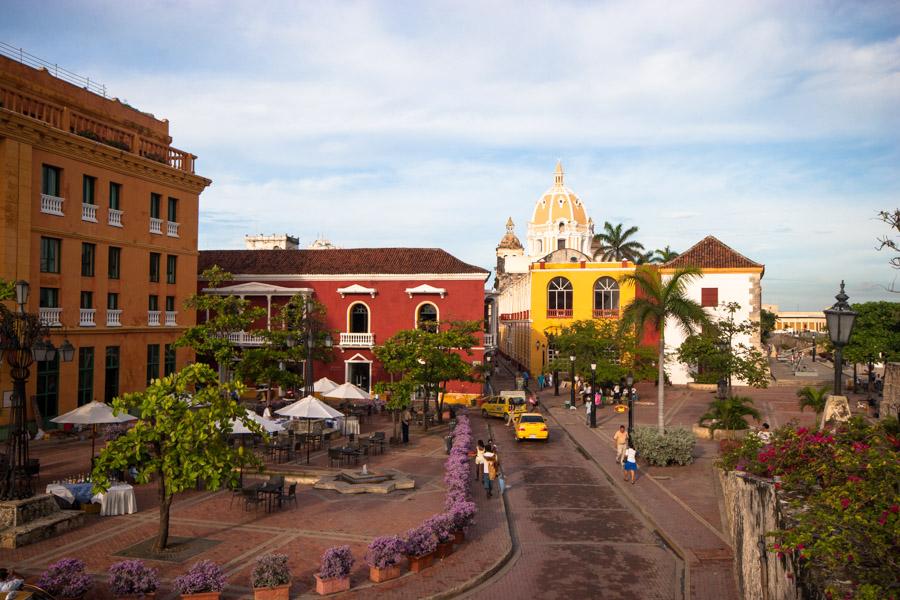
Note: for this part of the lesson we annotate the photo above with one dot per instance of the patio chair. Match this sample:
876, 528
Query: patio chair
335, 454
251, 497
290, 496
276, 481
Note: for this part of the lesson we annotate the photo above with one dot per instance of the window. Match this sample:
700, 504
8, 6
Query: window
709, 297
85, 375
49, 297
169, 364
152, 362
606, 298
154, 205
560, 244
171, 268
87, 259
153, 303
114, 262
359, 318
427, 316
88, 189
50, 255
112, 301
111, 386
47, 395
559, 298
540, 246
115, 195
154, 266
170, 303
50, 177
173, 209
87, 299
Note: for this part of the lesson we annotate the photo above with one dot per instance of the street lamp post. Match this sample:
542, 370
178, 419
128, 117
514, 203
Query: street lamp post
629, 381
840, 319
572, 380
814, 336
593, 393
487, 378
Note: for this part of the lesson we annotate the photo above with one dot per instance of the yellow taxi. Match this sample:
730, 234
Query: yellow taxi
504, 405
531, 426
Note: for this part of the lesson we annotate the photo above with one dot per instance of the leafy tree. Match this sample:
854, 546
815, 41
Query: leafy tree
180, 437
766, 324
657, 302
664, 255
876, 334
616, 352
892, 218
728, 413
7, 290
615, 244
644, 258
814, 397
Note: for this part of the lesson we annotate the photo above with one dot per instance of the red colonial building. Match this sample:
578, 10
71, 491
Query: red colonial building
369, 295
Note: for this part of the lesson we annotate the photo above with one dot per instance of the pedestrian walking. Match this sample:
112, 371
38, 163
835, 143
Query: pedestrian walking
405, 418
620, 438
490, 469
541, 381
479, 459
549, 379
587, 413
630, 465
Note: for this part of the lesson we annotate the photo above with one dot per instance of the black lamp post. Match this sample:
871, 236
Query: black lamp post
572, 378
487, 377
310, 334
814, 336
629, 381
840, 319
593, 392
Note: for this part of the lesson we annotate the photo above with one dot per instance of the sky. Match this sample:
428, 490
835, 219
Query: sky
774, 126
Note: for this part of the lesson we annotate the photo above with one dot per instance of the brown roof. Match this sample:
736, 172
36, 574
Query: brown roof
351, 261
711, 253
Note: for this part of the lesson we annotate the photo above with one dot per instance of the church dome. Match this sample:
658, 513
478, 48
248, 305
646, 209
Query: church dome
510, 241
559, 203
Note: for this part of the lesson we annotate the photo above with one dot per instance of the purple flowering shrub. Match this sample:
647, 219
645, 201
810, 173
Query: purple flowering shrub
441, 525
132, 578
461, 513
385, 551
66, 579
204, 576
336, 563
420, 541
271, 570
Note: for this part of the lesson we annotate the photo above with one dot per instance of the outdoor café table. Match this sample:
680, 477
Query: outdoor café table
272, 493
351, 453
118, 500
71, 492
279, 451
351, 426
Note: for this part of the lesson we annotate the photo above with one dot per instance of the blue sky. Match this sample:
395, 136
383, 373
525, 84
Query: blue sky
772, 125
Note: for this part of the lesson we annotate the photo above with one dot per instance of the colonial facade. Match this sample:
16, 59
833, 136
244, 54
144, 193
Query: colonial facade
100, 218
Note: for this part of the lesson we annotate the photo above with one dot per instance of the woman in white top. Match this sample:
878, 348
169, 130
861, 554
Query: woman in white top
490, 469
479, 459
630, 464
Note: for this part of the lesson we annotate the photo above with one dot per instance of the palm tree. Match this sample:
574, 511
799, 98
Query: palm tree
664, 255
615, 245
728, 413
658, 302
644, 258
815, 398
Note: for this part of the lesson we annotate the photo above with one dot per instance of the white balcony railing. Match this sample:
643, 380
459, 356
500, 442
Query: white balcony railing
52, 205
115, 217
156, 225
170, 318
172, 229
113, 317
242, 338
488, 340
50, 316
86, 317
153, 318
357, 340
89, 212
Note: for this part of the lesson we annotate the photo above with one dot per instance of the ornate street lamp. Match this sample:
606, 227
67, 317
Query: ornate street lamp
572, 380
629, 381
840, 319
593, 393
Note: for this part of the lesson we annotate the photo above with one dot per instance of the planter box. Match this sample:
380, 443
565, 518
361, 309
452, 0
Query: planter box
386, 574
332, 586
459, 537
720, 434
202, 596
420, 563
444, 550
151, 596
281, 592
91, 509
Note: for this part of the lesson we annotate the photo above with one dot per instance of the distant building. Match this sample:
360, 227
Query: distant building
275, 241
797, 321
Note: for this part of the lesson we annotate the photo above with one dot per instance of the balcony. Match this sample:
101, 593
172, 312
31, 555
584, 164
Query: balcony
115, 217
488, 340
170, 318
559, 313
50, 316
357, 340
89, 212
156, 225
153, 318
86, 317
606, 313
172, 229
52, 205
242, 338
113, 317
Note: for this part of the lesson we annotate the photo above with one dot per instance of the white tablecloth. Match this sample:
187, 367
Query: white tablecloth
118, 500
351, 426
61, 491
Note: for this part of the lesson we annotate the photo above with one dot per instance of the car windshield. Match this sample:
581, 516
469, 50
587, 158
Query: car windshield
531, 419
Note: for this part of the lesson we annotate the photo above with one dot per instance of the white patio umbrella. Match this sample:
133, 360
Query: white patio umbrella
309, 408
93, 414
348, 391
323, 386
238, 427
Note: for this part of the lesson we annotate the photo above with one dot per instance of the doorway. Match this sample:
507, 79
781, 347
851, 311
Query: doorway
359, 374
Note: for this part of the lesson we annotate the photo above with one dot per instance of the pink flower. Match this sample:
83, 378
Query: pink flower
883, 518
854, 478
860, 447
780, 555
845, 502
802, 431
895, 508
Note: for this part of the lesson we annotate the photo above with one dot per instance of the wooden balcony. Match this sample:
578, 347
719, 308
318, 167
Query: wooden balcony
606, 313
559, 313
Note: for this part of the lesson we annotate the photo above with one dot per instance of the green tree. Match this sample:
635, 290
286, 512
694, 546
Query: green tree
657, 302
766, 324
180, 437
891, 218
814, 397
662, 255
616, 352
876, 334
7, 290
615, 244
728, 413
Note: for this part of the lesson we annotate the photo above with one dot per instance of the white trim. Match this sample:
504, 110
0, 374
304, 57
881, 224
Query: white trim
364, 276
368, 317
358, 358
362, 360
420, 305
255, 288
426, 289
356, 289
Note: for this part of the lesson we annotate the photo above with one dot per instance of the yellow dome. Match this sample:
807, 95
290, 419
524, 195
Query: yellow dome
559, 203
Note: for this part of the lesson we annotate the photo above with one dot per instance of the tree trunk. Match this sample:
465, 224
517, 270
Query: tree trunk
661, 384
165, 502
442, 391
394, 421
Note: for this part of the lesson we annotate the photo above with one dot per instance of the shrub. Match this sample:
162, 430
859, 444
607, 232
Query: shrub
676, 446
132, 578
728, 413
66, 579
420, 541
336, 563
204, 576
441, 524
461, 513
385, 551
271, 570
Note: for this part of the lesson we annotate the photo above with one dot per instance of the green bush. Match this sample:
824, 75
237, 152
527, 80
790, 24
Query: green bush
676, 446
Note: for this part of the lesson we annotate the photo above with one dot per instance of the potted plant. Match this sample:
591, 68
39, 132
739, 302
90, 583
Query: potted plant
461, 512
334, 573
271, 577
204, 581
419, 545
66, 579
383, 557
441, 525
133, 579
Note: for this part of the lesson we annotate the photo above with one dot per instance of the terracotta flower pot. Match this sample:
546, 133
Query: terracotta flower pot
281, 592
444, 549
202, 596
459, 537
332, 586
386, 574
419, 563
150, 596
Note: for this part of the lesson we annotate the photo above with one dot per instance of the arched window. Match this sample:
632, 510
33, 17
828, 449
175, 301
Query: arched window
540, 246
559, 298
427, 316
359, 318
562, 226
606, 298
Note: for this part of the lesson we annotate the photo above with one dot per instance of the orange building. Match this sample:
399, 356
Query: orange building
100, 217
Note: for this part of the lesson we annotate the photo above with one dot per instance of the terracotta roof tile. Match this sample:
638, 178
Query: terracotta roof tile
711, 253
350, 261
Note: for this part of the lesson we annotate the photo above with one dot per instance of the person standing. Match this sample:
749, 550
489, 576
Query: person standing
405, 418
490, 469
479, 459
630, 465
541, 381
587, 413
549, 379
621, 440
